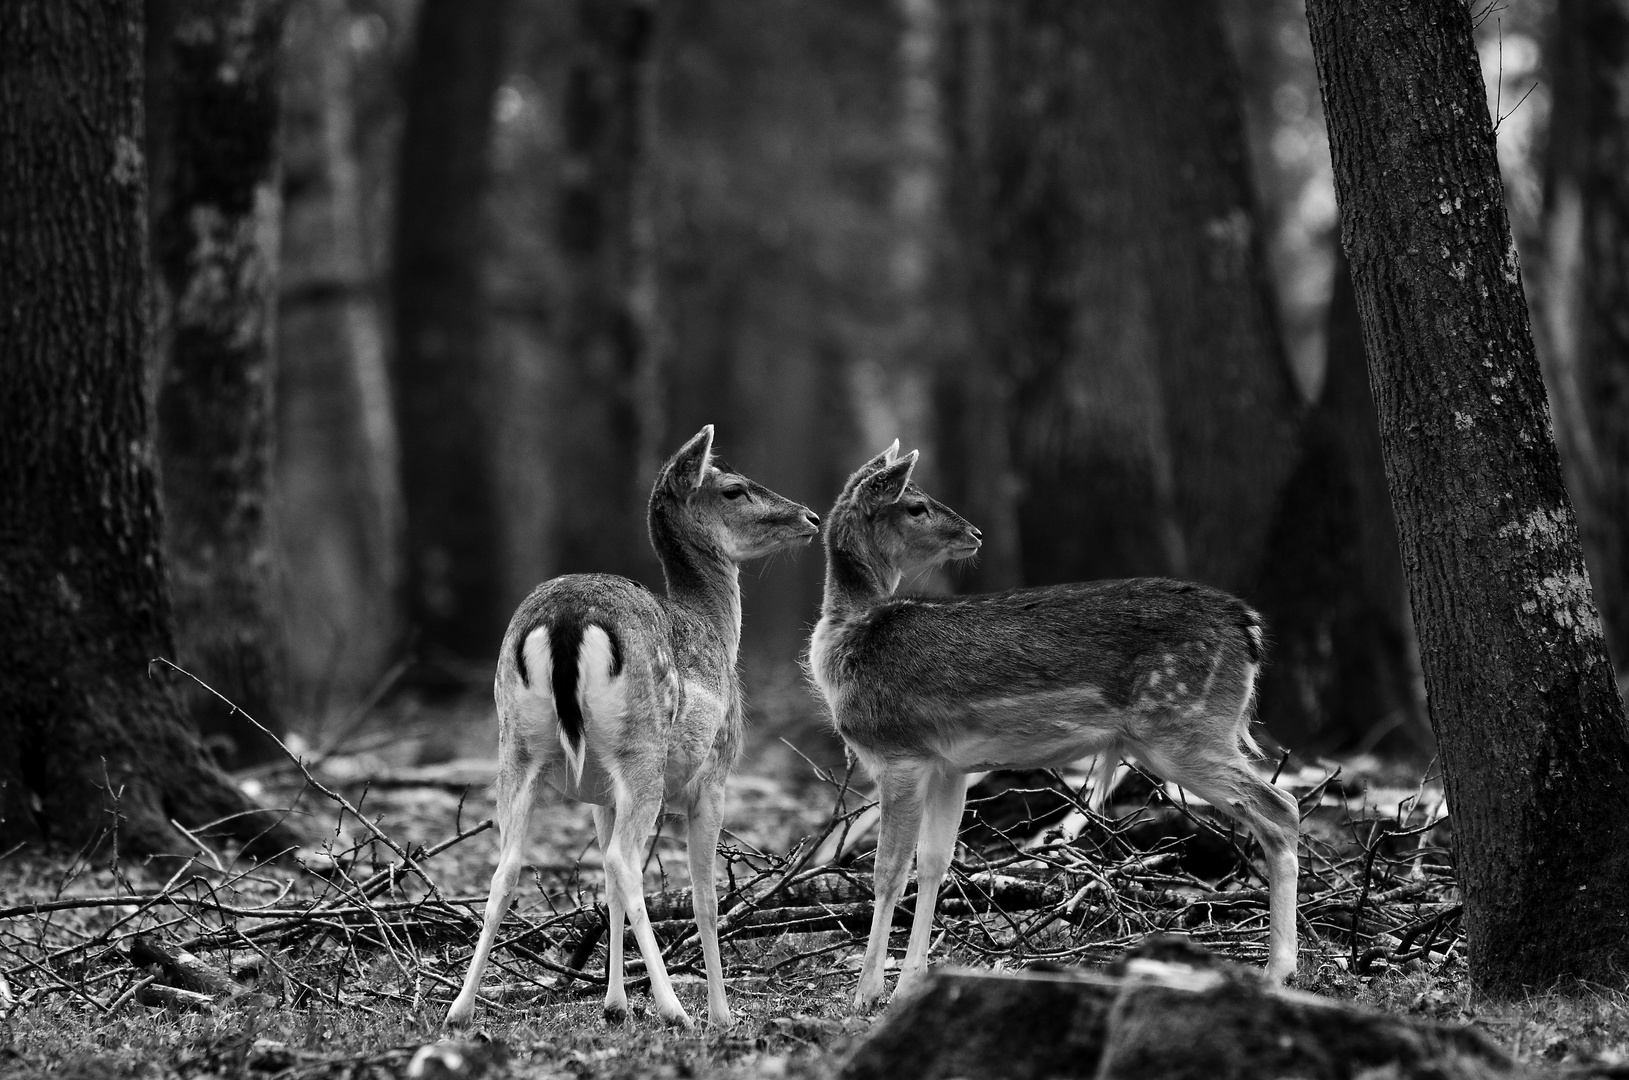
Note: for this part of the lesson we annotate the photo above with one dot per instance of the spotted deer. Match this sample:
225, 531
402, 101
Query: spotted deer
612, 696
926, 690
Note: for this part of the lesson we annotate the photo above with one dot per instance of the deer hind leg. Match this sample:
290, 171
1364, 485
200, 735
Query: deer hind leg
616, 997
636, 810
1222, 776
514, 816
1274, 816
703, 823
900, 794
946, 794
1105, 767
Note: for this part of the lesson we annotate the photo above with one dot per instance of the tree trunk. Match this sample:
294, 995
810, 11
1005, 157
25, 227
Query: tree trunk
212, 138
779, 305
338, 497
1377, 659
972, 394
455, 596
1531, 731
89, 740
1587, 290
1118, 289
605, 234
1344, 673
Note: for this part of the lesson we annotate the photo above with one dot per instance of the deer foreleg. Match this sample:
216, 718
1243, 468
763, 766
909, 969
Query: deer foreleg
705, 820
946, 793
901, 798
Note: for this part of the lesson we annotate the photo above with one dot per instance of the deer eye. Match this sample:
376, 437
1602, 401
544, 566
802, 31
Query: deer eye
734, 492
916, 509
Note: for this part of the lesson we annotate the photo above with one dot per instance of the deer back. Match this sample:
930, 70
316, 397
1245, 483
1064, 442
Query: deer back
1039, 676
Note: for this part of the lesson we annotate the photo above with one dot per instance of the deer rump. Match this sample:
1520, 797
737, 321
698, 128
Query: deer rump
594, 674
576, 637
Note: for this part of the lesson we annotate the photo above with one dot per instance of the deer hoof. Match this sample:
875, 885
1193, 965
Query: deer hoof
679, 1019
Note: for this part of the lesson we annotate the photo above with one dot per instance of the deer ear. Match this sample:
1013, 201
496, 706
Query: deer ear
685, 470
888, 483
887, 457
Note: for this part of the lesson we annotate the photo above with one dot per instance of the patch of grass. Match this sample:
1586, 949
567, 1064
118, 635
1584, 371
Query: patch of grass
794, 1034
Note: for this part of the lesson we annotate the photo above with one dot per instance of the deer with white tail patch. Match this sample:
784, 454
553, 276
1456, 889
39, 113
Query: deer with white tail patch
616, 697
926, 690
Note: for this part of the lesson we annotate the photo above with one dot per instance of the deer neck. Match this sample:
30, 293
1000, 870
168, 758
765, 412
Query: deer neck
854, 583
703, 581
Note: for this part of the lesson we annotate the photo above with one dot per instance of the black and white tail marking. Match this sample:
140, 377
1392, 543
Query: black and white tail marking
565, 678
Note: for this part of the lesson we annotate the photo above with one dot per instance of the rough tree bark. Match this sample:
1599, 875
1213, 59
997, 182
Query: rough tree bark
338, 496
212, 126
1531, 731
89, 740
455, 595
1586, 290
605, 231
1118, 288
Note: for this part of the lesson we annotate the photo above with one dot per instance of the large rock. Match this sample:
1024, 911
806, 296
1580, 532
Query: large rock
1156, 1021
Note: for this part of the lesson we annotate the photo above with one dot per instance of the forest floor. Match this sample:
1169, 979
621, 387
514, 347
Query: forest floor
342, 964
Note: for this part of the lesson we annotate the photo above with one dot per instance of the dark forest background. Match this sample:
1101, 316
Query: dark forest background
1084, 256
333, 326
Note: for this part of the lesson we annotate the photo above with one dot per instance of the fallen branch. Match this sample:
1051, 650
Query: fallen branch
157, 994
179, 968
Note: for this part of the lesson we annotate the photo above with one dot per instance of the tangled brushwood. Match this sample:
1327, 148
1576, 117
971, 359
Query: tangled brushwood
383, 923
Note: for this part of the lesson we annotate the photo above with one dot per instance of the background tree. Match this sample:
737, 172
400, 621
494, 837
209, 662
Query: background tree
1344, 672
1586, 280
88, 738
774, 181
212, 124
1152, 418
1345, 665
1526, 713
1123, 335
456, 601
767, 190
794, 251
604, 232
337, 484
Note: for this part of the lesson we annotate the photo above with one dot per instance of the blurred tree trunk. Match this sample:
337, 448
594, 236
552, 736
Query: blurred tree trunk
779, 310
605, 232
212, 122
1586, 290
972, 406
89, 740
1533, 740
455, 593
1117, 289
338, 495
895, 385
1344, 673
